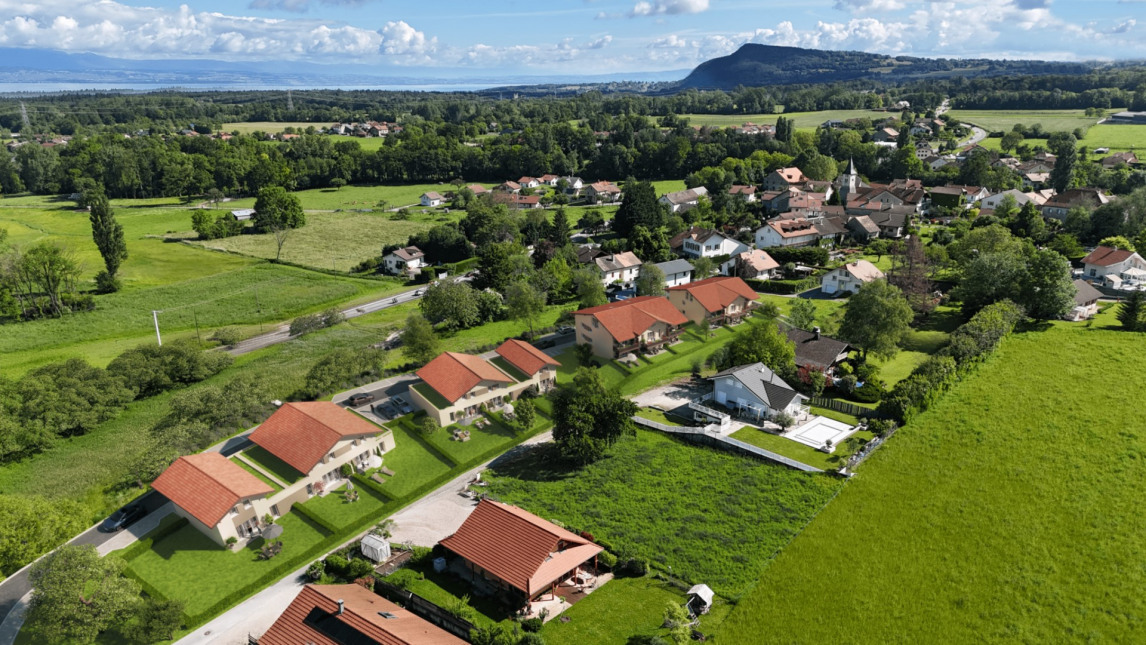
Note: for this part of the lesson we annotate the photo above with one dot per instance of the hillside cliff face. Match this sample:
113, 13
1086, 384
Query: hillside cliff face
755, 65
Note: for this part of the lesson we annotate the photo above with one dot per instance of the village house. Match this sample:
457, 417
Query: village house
619, 268
432, 199
682, 200
892, 222
603, 192
478, 189
520, 555
993, 202
815, 351
796, 232
588, 253
677, 272
525, 202
747, 193
756, 391
314, 438
455, 387
407, 261
885, 135
1114, 267
714, 301
849, 277
350, 613
782, 179
1058, 206
1085, 302
862, 228
507, 187
755, 264
548, 180
573, 185
707, 243
1118, 159
528, 182
645, 323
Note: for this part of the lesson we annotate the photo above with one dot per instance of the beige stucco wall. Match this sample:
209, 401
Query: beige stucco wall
591, 332
483, 393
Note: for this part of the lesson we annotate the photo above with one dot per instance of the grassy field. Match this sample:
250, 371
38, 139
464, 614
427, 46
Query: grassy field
358, 197
1008, 512
189, 566
335, 510
253, 294
334, 241
803, 120
412, 462
647, 497
1051, 120
796, 450
623, 609
1119, 138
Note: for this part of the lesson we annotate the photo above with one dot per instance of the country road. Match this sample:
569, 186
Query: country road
282, 332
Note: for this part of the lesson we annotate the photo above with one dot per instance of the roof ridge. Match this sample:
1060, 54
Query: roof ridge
209, 475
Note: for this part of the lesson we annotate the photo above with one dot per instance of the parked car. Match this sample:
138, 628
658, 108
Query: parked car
401, 404
122, 518
565, 330
361, 398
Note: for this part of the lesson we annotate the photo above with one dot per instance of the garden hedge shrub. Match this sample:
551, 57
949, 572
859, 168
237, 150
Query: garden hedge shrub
809, 255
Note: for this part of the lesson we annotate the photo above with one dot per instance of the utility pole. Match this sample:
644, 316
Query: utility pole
155, 317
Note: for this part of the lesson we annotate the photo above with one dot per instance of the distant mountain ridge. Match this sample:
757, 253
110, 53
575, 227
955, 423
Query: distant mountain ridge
755, 65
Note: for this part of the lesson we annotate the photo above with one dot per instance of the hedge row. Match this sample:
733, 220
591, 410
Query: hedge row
970, 343
301, 509
783, 287
810, 255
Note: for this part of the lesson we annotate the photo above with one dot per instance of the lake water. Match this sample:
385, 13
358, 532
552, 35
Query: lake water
47, 88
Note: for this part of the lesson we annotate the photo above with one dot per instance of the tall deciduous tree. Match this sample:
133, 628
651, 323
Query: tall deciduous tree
590, 291
30, 526
419, 343
877, 319
762, 343
108, 236
909, 271
1065, 148
803, 313
589, 418
1047, 291
651, 281
638, 208
451, 303
77, 594
525, 303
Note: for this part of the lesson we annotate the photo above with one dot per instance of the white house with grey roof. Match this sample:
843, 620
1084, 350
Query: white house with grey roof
683, 200
756, 391
677, 272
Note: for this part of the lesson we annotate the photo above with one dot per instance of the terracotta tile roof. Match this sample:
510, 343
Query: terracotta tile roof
477, 189
301, 434
759, 260
714, 294
739, 189
627, 319
793, 228
208, 485
604, 187
1105, 256
452, 374
312, 617
525, 357
432, 195
617, 261
792, 175
518, 547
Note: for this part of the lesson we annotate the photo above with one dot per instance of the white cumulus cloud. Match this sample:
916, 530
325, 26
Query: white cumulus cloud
670, 7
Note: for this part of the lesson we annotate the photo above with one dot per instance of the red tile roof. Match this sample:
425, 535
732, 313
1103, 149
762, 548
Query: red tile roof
301, 434
208, 485
452, 374
518, 547
1105, 256
627, 319
714, 294
361, 613
525, 357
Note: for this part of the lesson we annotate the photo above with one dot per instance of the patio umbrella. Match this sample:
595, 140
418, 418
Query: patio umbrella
272, 532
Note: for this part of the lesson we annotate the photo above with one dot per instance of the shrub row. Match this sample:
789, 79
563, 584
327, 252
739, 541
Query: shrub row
970, 344
783, 287
167, 526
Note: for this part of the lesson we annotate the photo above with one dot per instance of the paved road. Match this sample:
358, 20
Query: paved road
282, 332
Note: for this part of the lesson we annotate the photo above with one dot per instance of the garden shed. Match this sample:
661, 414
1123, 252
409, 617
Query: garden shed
700, 599
375, 547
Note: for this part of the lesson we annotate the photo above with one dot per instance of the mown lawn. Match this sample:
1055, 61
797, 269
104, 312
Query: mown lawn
1004, 120
1008, 512
443, 588
482, 440
189, 566
803, 120
413, 463
622, 609
789, 448
647, 497
334, 508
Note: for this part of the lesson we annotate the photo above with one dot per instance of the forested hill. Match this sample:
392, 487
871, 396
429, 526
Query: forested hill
757, 65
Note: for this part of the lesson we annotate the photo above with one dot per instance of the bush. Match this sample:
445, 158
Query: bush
532, 625
306, 324
316, 570
429, 425
871, 392
152, 369
634, 567
227, 336
809, 255
107, 283
879, 427
360, 568
346, 470
336, 565
607, 560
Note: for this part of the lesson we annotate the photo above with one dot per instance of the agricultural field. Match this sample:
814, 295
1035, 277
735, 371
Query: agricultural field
1051, 120
333, 241
645, 498
270, 127
1119, 138
357, 197
1001, 514
803, 120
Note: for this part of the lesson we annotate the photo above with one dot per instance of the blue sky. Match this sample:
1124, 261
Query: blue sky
568, 36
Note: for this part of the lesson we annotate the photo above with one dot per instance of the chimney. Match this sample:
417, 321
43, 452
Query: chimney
340, 605
816, 331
